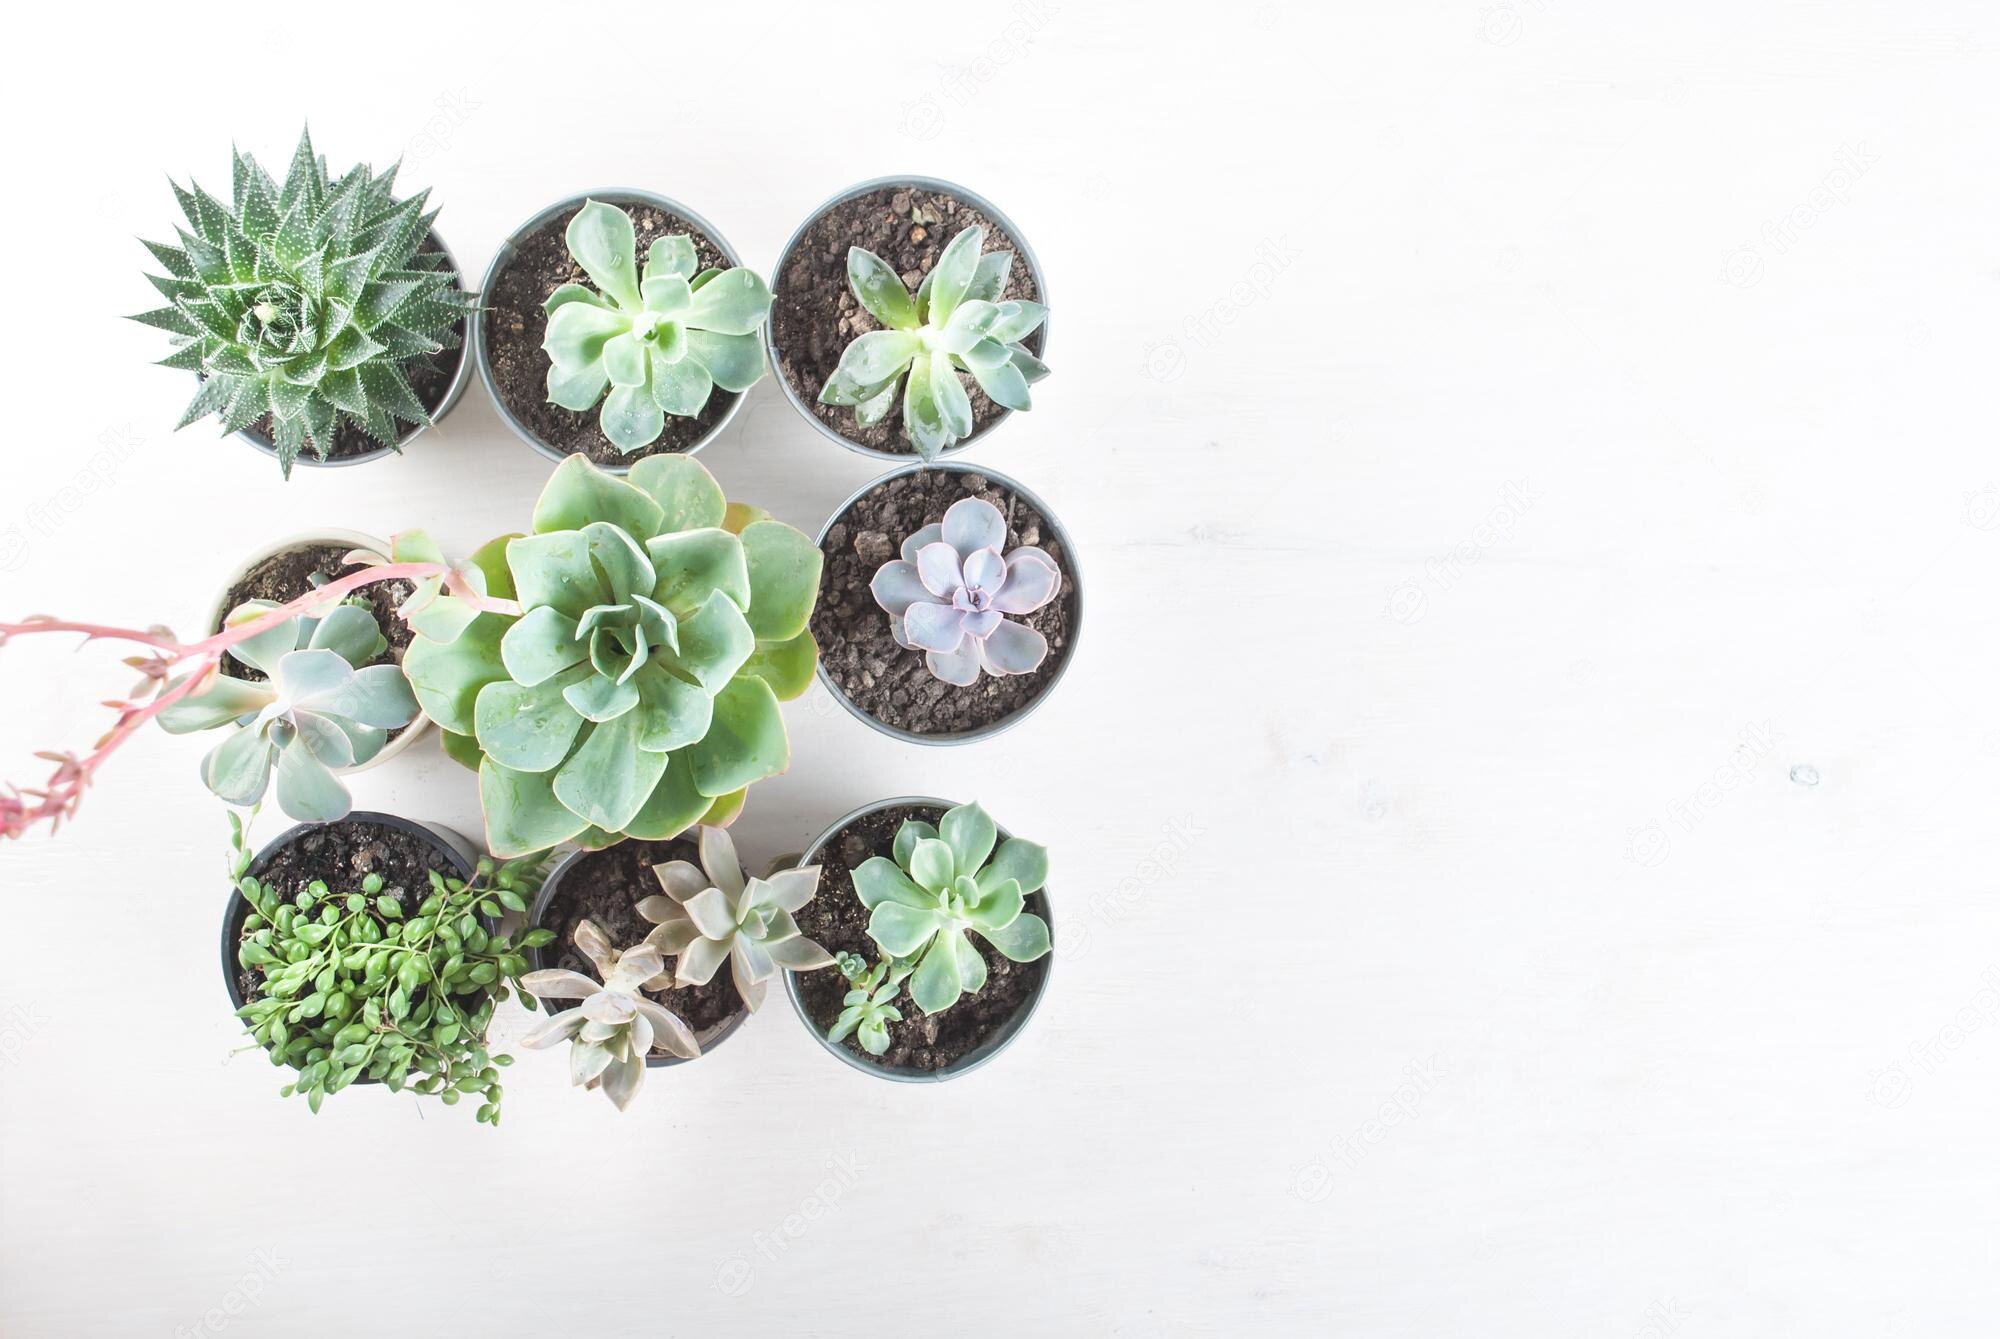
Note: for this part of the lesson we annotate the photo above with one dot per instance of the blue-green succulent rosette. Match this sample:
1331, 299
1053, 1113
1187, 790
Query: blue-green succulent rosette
636, 692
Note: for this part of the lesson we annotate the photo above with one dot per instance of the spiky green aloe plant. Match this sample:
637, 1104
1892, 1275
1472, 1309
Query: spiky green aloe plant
310, 301
636, 692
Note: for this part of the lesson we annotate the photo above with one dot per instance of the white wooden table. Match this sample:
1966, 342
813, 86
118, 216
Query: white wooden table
1515, 449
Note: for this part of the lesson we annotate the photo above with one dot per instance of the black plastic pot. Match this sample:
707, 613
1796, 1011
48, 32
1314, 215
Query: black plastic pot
456, 856
559, 955
1002, 1037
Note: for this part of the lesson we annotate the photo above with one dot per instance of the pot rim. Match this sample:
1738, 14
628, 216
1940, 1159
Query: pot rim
540, 958
1075, 574
1022, 251
355, 539
461, 377
989, 1048
462, 854
506, 252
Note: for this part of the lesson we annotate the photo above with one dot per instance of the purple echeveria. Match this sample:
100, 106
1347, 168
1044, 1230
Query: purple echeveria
948, 595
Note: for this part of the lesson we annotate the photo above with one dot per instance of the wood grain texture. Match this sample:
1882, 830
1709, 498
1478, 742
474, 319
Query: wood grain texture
1503, 442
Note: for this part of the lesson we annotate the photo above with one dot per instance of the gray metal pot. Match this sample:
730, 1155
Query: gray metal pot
993, 1045
455, 851
461, 377
1023, 253
1073, 589
617, 195
551, 955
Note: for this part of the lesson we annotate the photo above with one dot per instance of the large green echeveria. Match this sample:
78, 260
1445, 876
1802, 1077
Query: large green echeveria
637, 692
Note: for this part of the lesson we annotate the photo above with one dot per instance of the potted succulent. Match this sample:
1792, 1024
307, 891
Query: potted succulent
619, 325
951, 603
322, 314
368, 951
665, 998
307, 692
321, 703
284, 570
633, 690
908, 318
939, 922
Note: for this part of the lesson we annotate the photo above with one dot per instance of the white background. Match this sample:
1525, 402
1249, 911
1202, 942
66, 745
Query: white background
1504, 441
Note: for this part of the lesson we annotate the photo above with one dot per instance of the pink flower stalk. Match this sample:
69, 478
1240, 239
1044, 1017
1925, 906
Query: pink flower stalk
57, 798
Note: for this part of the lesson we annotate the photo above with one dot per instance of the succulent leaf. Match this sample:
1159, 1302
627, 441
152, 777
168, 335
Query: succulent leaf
616, 1025
311, 302
950, 592
322, 708
939, 887
955, 322
713, 914
636, 691
648, 346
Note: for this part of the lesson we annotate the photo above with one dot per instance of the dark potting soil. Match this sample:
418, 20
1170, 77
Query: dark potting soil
892, 684
430, 377
283, 577
836, 920
514, 324
815, 315
607, 887
340, 855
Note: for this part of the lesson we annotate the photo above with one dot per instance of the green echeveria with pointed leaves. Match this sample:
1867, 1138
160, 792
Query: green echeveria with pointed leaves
941, 885
637, 692
955, 322
659, 342
310, 301
322, 708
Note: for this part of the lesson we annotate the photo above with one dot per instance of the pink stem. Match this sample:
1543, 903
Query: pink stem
65, 789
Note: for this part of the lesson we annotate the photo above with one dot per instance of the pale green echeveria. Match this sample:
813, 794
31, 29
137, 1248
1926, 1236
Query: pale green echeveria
868, 1009
616, 1026
659, 341
942, 885
955, 322
636, 692
322, 708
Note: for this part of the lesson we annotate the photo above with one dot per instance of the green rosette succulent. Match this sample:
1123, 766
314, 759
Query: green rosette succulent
648, 343
310, 301
636, 692
941, 888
